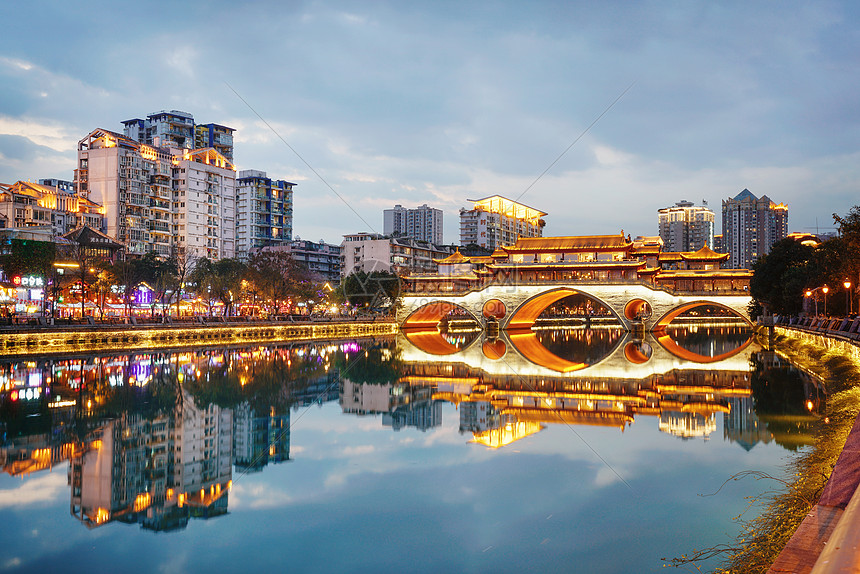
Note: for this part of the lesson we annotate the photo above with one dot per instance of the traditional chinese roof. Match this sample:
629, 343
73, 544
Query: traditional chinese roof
670, 256
89, 237
646, 250
482, 260
705, 254
453, 259
570, 244
499, 253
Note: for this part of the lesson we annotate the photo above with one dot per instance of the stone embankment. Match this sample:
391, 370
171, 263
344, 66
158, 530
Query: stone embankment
41, 340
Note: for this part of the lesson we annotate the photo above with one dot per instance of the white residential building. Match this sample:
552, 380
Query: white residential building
423, 223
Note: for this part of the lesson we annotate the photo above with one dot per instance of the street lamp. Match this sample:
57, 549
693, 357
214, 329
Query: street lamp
824, 289
849, 303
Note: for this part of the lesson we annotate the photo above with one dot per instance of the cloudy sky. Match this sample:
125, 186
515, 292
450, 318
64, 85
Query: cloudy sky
440, 102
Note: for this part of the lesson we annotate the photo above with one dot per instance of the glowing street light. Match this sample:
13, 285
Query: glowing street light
824, 289
849, 302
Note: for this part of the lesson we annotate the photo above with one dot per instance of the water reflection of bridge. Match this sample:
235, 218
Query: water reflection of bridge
522, 353
503, 397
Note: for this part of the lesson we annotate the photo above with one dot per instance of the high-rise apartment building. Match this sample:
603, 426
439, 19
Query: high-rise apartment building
177, 129
496, 221
686, 227
321, 259
264, 211
423, 223
159, 199
54, 207
751, 226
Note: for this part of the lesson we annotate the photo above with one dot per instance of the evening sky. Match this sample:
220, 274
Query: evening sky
440, 102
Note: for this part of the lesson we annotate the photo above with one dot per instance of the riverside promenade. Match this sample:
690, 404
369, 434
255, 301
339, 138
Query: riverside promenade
828, 539
38, 338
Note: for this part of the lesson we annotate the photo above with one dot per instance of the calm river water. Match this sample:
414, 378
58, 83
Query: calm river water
568, 450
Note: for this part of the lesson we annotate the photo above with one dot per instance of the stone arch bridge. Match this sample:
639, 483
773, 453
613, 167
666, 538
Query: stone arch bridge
516, 307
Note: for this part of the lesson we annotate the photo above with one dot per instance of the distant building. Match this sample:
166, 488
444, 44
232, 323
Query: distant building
685, 227
423, 223
374, 252
719, 244
496, 221
751, 226
322, 259
264, 211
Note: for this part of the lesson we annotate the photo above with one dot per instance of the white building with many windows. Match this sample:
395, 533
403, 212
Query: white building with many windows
374, 252
423, 223
160, 199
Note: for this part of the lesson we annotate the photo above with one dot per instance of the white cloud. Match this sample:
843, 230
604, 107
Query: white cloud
50, 134
39, 490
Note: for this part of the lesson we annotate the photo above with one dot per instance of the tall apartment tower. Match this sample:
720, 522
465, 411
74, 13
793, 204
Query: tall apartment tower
176, 129
496, 221
751, 226
422, 223
158, 198
686, 227
264, 212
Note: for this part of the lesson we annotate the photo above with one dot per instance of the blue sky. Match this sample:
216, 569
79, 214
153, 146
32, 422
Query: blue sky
412, 103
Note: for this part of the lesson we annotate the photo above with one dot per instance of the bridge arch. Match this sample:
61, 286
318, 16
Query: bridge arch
428, 316
526, 314
672, 314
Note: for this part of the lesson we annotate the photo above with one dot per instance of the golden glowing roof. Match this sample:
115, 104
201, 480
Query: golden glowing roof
670, 256
453, 259
570, 244
482, 260
507, 207
704, 254
503, 436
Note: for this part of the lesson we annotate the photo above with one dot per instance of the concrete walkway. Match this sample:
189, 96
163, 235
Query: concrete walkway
830, 521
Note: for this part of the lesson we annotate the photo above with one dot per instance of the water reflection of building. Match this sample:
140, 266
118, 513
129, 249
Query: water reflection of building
687, 425
741, 425
492, 428
259, 439
158, 471
402, 404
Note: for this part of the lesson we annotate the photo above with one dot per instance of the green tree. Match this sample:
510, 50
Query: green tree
377, 290
781, 277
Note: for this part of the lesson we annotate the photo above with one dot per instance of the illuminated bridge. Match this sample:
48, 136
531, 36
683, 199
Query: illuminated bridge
636, 282
517, 307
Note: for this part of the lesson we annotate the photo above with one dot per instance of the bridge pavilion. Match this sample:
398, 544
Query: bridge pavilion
609, 259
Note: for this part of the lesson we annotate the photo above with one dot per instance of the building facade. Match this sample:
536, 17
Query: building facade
374, 252
751, 226
322, 259
159, 199
685, 227
496, 221
264, 211
423, 223
26, 204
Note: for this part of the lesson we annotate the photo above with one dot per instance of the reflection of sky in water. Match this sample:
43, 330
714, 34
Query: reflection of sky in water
359, 496
710, 341
580, 345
